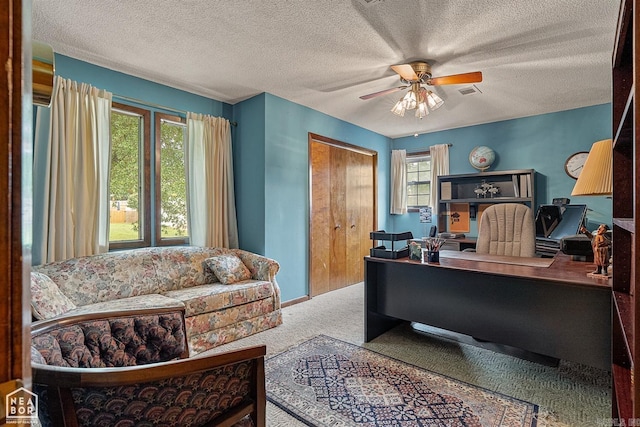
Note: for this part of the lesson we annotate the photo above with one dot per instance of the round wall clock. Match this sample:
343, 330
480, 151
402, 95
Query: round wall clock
574, 163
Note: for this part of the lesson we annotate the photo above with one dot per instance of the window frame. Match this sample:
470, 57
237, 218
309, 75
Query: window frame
159, 240
411, 158
144, 183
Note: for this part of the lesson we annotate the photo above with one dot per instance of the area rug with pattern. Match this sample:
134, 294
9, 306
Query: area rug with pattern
328, 382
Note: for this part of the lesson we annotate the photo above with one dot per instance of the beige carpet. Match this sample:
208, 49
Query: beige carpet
568, 395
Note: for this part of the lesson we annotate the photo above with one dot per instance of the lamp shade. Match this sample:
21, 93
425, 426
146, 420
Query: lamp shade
596, 178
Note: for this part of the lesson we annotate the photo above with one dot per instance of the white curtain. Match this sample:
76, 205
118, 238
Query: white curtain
71, 185
439, 166
398, 182
211, 207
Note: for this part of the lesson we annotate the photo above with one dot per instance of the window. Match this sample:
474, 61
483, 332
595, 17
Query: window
171, 181
130, 223
132, 210
418, 181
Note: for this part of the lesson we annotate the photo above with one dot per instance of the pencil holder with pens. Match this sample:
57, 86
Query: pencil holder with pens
431, 249
431, 256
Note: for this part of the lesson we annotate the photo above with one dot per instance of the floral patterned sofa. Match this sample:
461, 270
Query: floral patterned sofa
227, 294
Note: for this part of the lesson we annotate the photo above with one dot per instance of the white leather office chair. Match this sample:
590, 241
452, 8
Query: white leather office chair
507, 229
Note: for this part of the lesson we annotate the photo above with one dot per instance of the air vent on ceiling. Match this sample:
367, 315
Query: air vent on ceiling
470, 90
370, 2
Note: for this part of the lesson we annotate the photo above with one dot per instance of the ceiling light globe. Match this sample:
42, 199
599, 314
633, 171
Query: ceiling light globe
398, 109
410, 101
434, 101
422, 110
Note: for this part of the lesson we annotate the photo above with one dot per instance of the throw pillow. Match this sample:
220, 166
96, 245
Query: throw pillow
228, 268
46, 298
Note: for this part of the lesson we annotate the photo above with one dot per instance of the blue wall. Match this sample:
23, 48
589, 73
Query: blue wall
137, 88
539, 142
284, 187
249, 173
270, 147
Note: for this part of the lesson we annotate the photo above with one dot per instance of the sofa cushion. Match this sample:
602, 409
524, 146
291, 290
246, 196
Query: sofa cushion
47, 300
228, 268
104, 277
140, 302
202, 323
212, 338
218, 297
183, 267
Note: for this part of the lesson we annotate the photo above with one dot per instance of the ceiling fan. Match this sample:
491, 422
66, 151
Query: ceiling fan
414, 75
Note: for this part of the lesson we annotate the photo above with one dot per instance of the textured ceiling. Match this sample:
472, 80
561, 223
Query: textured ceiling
536, 56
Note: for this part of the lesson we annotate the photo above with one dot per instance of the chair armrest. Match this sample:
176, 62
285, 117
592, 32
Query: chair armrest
221, 389
261, 267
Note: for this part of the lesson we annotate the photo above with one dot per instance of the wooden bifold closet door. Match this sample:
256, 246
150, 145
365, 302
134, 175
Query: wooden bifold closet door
342, 212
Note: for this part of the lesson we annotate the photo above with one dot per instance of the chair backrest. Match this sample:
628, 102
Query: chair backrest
131, 367
507, 229
119, 338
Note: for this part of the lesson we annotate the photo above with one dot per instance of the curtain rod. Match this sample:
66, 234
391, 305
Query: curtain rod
423, 150
161, 107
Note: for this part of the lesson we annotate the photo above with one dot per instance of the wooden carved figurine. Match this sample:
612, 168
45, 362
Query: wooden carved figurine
600, 245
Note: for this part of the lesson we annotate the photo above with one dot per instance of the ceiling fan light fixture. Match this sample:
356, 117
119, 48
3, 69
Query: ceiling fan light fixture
399, 108
419, 99
410, 100
434, 101
422, 110
414, 75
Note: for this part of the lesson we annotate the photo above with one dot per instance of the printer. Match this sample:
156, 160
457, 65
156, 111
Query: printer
555, 222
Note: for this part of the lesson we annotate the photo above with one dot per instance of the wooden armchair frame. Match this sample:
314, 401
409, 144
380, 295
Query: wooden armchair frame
60, 381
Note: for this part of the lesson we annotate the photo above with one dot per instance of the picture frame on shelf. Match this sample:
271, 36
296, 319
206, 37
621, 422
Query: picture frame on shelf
459, 220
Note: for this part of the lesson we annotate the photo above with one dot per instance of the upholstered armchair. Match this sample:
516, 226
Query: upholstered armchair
507, 229
132, 369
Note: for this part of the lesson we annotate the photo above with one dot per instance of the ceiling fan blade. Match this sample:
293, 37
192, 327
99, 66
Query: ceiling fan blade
406, 72
454, 79
383, 92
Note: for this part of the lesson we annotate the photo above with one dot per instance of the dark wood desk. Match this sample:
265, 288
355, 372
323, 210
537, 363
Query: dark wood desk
460, 244
555, 311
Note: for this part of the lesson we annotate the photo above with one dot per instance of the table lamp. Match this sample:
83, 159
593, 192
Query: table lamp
596, 179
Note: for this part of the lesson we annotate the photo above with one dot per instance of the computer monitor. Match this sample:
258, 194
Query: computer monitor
573, 217
555, 222
547, 219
